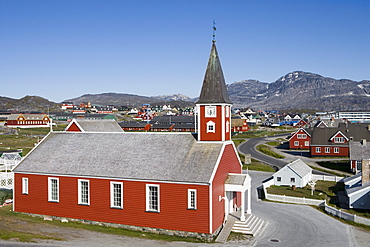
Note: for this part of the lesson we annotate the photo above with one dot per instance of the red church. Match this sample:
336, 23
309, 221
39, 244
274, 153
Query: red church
183, 182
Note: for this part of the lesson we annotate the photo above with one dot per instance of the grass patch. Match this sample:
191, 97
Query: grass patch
23, 237
237, 142
262, 132
342, 165
273, 143
28, 228
25, 139
323, 190
237, 236
5, 194
257, 166
327, 171
268, 151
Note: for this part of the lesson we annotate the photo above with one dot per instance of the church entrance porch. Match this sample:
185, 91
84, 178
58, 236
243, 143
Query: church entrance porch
238, 184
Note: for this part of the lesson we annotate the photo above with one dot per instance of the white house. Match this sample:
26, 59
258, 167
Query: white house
358, 188
295, 173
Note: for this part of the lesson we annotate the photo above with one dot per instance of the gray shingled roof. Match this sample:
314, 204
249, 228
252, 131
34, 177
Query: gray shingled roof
99, 125
143, 156
321, 136
300, 167
358, 151
214, 88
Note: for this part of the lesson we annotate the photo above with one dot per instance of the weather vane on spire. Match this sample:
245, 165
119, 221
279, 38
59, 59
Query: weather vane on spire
214, 32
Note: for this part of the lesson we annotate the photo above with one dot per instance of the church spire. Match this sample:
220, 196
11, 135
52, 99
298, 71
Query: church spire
214, 105
214, 88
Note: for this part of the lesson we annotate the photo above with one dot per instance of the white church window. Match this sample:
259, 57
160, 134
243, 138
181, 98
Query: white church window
211, 127
227, 126
116, 198
152, 197
192, 199
25, 186
53, 189
83, 192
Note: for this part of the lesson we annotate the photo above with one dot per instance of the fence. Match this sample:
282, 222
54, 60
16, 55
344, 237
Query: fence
346, 216
288, 199
327, 178
6, 180
292, 199
328, 209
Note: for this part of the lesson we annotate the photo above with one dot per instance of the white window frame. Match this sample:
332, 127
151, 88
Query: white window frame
296, 143
301, 136
192, 199
80, 201
149, 206
327, 150
227, 126
53, 196
113, 200
339, 139
318, 149
227, 111
336, 150
278, 179
306, 143
25, 186
211, 127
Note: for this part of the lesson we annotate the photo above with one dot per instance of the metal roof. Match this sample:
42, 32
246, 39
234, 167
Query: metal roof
176, 157
214, 88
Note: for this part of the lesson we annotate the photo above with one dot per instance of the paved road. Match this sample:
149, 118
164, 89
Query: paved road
249, 147
297, 225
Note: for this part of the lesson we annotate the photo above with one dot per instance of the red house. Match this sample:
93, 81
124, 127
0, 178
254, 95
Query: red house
239, 125
329, 142
28, 120
300, 139
135, 126
188, 184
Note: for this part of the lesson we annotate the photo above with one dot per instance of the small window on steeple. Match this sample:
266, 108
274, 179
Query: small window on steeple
211, 127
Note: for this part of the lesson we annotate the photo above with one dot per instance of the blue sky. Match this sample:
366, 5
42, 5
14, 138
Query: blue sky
64, 49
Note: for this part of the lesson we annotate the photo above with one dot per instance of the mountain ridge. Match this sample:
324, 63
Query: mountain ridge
295, 90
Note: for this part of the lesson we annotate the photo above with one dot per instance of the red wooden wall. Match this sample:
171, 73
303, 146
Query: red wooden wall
218, 120
229, 163
173, 203
343, 151
74, 128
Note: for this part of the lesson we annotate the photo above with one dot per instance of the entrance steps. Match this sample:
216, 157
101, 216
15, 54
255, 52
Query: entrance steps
251, 226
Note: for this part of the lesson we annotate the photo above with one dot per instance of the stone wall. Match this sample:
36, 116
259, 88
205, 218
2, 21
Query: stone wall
207, 237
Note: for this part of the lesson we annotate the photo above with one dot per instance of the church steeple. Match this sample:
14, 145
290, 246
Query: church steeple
214, 88
214, 104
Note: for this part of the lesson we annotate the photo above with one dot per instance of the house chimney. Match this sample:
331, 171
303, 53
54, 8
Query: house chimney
363, 142
365, 173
